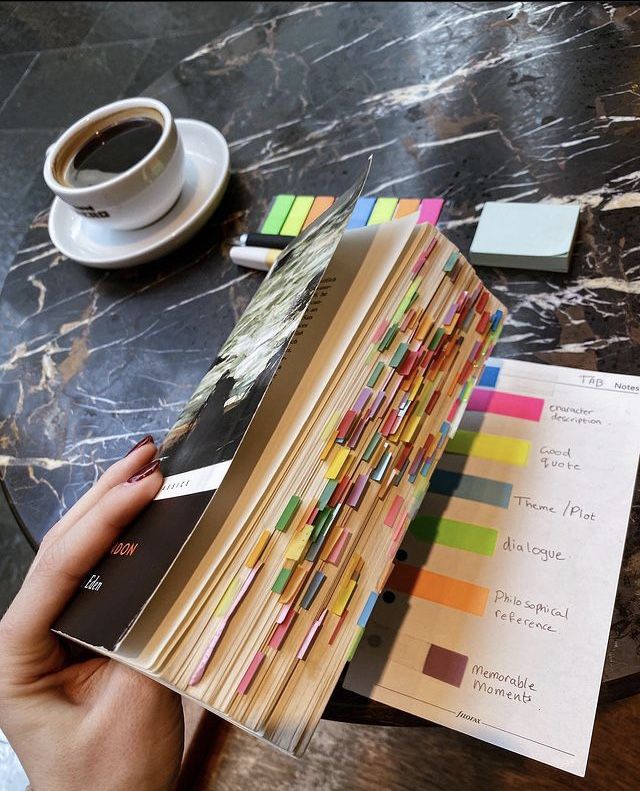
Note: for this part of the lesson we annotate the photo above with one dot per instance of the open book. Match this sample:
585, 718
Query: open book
293, 473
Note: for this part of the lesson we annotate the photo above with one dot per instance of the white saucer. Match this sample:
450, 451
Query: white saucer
206, 177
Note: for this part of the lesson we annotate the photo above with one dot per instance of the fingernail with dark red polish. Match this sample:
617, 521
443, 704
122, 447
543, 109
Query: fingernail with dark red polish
144, 441
145, 472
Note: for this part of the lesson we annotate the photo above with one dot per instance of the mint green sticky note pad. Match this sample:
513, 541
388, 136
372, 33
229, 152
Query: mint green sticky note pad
525, 236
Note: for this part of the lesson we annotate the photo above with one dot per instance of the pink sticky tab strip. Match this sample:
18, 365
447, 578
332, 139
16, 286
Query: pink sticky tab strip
430, 209
206, 657
392, 515
338, 548
306, 643
356, 492
382, 328
250, 674
507, 404
281, 630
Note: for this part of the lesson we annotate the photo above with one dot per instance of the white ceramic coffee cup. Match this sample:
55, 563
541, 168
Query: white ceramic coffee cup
131, 199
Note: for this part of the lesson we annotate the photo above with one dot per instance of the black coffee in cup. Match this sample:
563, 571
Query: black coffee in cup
112, 150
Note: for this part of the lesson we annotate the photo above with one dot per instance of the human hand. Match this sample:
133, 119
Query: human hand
95, 724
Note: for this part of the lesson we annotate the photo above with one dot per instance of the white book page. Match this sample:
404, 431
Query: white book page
497, 615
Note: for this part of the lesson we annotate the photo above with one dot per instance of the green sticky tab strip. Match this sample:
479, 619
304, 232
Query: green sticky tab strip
382, 211
389, 335
375, 374
373, 444
354, 643
328, 490
406, 301
281, 580
288, 513
451, 261
277, 215
297, 215
399, 355
454, 534
436, 338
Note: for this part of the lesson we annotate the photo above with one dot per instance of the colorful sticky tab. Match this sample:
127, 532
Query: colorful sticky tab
342, 597
454, 534
338, 463
406, 206
319, 206
430, 209
312, 591
297, 215
471, 487
277, 214
250, 673
439, 588
507, 404
256, 552
298, 543
281, 580
489, 376
367, 609
289, 512
445, 665
361, 213
494, 447
382, 211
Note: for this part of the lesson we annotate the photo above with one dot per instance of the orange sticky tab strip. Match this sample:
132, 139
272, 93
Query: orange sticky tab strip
318, 207
256, 552
438, 588
406, 206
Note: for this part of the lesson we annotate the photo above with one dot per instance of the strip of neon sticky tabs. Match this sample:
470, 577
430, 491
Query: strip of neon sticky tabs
277, 215
361, 213
439, 588
297, 215
494, 447
507, 404
471, 487
252, 670
430, 209
382, 211
454, 534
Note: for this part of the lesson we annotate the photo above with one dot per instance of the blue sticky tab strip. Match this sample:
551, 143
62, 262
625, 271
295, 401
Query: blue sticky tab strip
361, 213
368, 607
497, 317
489, 376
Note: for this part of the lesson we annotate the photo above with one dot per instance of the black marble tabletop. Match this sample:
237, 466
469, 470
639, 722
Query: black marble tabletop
468, 101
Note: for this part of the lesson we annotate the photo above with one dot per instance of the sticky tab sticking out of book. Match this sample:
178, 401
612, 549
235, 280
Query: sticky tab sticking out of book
312, 591
281, 630
251, 673
298, 544
342, 597
281, 580
289, 512
256, 552
338, 463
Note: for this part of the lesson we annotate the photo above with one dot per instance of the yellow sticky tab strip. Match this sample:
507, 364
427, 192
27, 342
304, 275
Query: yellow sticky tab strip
256, 552
330, 427
227, 599
298, 543
494, 447
411, 428
338, 463
341, 599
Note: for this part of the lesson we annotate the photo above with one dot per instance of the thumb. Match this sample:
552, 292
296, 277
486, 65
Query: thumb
61, 565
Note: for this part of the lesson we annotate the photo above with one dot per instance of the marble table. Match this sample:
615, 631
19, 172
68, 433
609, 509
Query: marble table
469, 101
